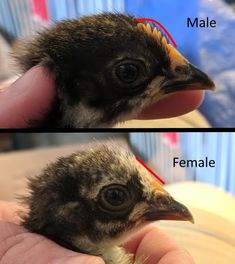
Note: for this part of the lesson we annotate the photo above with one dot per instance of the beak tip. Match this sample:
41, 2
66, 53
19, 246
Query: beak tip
185, 215
213, 88
190, 218
197, 80
210, 85
169, 210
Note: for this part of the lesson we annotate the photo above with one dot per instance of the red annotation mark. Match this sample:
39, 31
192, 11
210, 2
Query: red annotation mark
147, 168
141, 19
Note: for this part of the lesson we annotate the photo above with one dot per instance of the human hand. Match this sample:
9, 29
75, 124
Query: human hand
32, 95
156, 247
26, 99
18, 246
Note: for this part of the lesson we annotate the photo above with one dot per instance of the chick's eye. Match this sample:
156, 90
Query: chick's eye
115, 198
127, 73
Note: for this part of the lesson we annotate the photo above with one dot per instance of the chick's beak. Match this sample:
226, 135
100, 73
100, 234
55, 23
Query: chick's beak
187, 77
164, 207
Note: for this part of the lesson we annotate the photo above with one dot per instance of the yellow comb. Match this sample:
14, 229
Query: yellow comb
158, 186
157, 35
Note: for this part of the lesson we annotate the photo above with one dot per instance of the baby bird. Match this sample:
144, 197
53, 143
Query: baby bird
92, 201
107, 68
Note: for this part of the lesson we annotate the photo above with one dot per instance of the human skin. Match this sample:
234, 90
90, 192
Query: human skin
32, 95
17, 245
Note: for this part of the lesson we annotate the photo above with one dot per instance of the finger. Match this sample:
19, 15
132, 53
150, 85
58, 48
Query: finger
174, 105
7, 84
9, 211
155, 246
26, 99
17, 246
178, 256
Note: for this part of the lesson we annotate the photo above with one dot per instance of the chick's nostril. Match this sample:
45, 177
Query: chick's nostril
163, 201
182, 70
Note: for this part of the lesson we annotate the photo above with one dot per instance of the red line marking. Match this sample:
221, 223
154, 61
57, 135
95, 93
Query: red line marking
147, 168
141, 19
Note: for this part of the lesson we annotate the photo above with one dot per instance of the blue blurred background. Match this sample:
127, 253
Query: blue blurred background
159, 149
211, 49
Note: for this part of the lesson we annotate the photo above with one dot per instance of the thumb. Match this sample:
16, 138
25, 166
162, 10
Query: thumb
18, 246
78, 260
26, 99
